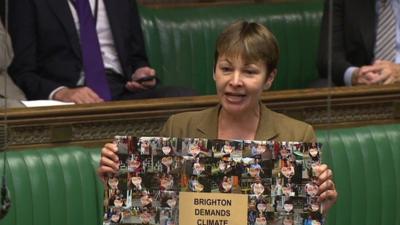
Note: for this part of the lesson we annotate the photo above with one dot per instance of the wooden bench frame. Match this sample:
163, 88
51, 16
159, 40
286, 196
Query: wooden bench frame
94, 124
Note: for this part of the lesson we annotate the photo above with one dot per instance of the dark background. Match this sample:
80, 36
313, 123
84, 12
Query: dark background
2, 10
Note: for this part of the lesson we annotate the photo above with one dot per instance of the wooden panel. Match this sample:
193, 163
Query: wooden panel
93, 124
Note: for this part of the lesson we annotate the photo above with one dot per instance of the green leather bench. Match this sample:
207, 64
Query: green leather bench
54, 186
58, 186
366, 163
180, 41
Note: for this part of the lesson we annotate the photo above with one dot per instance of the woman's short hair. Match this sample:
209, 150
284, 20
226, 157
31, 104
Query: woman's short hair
249, 40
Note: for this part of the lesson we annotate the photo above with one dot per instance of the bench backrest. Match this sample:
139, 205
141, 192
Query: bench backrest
54, 186
366, 164
58, 186
180, 41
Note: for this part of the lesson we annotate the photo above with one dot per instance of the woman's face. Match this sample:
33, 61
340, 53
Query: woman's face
287, 171
284, 153
261, 221
166, 182
115, 217
254, 172
227, 185
261, 207
240, 84
136, 181
313, 152
258, 189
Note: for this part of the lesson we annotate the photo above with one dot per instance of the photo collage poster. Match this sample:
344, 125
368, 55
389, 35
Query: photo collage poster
278, 178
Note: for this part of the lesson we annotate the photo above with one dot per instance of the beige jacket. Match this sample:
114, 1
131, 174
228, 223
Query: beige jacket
13, 92
204, 124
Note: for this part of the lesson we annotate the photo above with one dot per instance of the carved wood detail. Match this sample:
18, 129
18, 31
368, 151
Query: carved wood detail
96, 123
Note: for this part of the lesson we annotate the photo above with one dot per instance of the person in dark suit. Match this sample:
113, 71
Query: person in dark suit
353, 43
48, 60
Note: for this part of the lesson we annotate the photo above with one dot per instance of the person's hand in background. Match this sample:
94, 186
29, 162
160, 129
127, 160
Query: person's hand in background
381, 72
78, 95
144, 78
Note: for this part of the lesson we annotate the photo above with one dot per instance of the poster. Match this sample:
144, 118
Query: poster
197, 181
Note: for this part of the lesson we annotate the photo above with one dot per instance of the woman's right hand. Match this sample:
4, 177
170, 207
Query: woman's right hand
109, 161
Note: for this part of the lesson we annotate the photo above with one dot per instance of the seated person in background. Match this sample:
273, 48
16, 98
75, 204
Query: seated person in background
82, 51
365, 42
13, 93
245, 64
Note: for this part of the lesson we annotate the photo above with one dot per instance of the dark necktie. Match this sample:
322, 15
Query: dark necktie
93, 67
385, 47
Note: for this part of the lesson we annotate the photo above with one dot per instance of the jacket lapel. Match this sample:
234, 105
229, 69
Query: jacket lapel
266, 126
61, 9
208, 125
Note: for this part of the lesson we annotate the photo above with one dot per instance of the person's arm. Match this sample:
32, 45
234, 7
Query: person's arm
349, 75
138, 57
24, 68
339, 61
5, 49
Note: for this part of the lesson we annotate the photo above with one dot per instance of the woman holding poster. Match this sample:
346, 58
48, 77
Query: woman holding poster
246, 61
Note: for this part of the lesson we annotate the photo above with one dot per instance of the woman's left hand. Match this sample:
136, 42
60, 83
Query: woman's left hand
327, 190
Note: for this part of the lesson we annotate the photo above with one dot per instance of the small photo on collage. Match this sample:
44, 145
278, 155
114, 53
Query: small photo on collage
278, 178
194, 147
